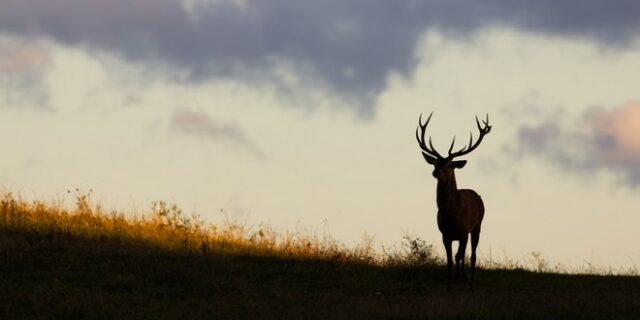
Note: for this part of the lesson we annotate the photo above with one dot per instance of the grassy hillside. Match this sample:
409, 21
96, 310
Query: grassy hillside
88, 264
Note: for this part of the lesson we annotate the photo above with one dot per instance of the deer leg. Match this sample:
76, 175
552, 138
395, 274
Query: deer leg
475, 238
447, 248
462, 247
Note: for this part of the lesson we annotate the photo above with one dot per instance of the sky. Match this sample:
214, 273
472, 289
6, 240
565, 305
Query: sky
301, 114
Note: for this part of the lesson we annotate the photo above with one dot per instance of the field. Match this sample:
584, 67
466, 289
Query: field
87, 263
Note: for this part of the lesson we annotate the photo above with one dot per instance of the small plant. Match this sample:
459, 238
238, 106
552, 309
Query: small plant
83, 201
540, 264
414, 252
170, 215
419, 252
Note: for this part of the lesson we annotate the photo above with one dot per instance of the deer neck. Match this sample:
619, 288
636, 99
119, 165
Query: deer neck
447, 193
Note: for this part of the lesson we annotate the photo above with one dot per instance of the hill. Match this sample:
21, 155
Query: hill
87, 264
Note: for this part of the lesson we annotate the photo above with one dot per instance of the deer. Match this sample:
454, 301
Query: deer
460, 211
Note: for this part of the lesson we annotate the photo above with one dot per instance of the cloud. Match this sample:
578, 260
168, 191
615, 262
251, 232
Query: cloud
609, 22
22, 64
349, 47
21, 57
601, 139
200, 124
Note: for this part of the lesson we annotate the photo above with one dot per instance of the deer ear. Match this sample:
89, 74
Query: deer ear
459, 164
431, 160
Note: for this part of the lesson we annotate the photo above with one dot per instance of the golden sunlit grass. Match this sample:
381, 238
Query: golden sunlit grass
166, 227
89, 263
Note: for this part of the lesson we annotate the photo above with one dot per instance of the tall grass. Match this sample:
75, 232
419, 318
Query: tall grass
165, 226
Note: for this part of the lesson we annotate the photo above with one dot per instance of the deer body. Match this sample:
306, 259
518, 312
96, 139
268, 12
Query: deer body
459, 218
460, 211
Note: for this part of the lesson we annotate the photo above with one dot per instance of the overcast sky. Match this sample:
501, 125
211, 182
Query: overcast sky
302, 114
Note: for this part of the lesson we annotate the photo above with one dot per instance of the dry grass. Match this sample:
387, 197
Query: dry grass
88, 263
166, 227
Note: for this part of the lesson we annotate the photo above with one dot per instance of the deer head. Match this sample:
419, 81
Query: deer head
444, 166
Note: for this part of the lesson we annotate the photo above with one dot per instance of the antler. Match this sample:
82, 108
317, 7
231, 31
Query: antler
431, 151
466, 150
420, 137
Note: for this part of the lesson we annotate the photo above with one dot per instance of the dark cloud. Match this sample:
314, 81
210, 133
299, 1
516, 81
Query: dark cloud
601, 140
609, 22
200, 124
349, 47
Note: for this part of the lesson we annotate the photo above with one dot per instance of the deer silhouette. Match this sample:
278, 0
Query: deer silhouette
460, 211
